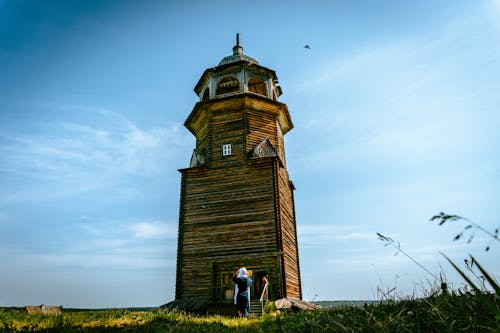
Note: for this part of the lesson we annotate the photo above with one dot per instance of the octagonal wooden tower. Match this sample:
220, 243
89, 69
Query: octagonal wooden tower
236, 205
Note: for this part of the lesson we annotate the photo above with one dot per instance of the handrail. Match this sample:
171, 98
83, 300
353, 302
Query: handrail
264, 292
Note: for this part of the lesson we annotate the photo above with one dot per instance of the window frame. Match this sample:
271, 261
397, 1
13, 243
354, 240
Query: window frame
227, 149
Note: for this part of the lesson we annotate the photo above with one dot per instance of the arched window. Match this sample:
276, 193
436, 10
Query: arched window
227, 85
257, 86
206, 95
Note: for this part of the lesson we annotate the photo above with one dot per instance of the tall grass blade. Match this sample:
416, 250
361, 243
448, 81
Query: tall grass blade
488, 277
466, 278
492, 305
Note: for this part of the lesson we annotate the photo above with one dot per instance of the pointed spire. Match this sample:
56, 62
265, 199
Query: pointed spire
237, 49
237, 54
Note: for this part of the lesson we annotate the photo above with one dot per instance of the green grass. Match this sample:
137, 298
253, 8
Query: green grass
444, 313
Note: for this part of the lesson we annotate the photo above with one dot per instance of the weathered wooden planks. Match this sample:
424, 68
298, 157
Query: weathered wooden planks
236, 210
289, 236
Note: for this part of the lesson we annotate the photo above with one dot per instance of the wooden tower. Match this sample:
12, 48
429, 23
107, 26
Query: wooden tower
236, 205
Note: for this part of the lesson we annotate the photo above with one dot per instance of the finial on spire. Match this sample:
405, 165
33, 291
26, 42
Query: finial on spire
237, 49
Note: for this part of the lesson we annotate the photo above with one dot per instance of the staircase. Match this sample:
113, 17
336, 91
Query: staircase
255, 308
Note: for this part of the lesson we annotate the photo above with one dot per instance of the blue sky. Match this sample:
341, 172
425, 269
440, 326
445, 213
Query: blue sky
396, 113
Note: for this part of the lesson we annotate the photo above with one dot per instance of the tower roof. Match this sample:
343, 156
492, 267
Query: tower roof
237, 55
233, 62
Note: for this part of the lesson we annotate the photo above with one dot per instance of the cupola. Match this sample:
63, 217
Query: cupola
238, 74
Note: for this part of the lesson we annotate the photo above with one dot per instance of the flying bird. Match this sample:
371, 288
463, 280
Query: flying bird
307, 47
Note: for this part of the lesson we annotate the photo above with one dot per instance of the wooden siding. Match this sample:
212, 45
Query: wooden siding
202, 138
227, 212
281, 145
180, 241
227, 127
288, 235
260, 126
236, 211
202, 110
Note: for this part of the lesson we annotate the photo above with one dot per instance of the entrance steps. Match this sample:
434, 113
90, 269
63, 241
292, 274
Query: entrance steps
255, 307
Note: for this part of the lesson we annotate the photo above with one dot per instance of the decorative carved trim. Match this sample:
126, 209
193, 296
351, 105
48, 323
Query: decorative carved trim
264, 149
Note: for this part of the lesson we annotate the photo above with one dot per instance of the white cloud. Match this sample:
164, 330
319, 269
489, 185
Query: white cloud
494, 8
96, 260
126, 233
110, 245
77, 157
407, 102
318, 235
154, 229
139, 139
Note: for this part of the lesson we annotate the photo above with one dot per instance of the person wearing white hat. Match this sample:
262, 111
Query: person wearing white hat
242, 283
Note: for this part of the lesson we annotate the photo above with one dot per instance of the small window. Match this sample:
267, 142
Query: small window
227, 85
226, 149
257, 86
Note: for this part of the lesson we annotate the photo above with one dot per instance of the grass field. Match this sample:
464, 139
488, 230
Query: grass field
443, 313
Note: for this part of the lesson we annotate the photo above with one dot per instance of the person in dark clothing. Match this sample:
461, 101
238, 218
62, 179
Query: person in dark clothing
242, 291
